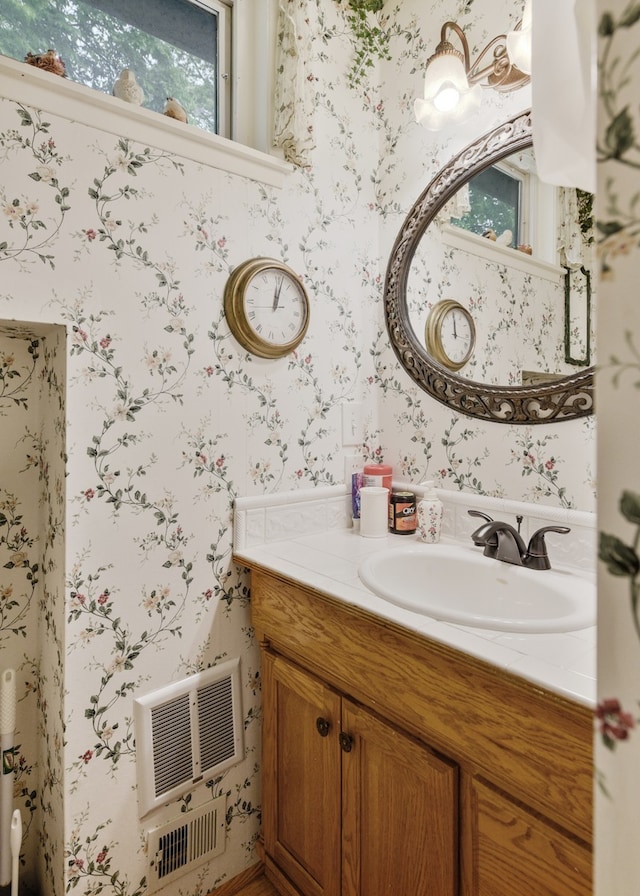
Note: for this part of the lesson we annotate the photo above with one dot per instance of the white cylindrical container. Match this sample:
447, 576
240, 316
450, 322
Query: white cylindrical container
430, 515
374, 515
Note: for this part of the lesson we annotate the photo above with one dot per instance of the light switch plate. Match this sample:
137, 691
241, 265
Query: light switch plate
352, 423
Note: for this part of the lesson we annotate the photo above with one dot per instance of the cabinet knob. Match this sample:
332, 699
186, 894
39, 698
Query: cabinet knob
323, 726
346, 742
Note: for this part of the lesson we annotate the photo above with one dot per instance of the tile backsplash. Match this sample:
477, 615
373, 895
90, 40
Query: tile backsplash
289, 515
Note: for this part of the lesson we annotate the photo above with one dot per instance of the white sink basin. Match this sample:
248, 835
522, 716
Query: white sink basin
460, 585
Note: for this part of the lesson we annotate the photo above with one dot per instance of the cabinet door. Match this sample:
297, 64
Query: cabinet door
301, 776
399, 812
510, 850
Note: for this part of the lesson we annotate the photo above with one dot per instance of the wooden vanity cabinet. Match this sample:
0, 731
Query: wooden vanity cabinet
351, 805
514, 851
458, 779
301, 806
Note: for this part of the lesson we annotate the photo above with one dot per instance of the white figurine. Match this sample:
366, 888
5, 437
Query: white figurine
173, 109
127, 88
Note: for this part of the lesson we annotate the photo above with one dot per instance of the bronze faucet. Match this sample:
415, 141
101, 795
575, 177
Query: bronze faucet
502, 542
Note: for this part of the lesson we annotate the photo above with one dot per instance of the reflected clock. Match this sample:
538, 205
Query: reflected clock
450, 334
267, 307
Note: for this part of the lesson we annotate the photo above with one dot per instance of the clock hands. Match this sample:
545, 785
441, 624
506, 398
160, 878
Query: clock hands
276, 294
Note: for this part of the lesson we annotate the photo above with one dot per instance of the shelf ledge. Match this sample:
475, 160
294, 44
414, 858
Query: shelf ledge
75, 102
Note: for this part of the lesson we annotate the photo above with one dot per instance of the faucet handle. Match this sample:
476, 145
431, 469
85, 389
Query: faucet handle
537, 557
477, 536
480, 537
484, 516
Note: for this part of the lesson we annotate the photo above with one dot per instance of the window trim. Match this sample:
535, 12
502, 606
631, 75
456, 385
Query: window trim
254, 37
75, 102
226, 23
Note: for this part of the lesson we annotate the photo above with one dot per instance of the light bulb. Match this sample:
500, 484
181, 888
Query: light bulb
447, 98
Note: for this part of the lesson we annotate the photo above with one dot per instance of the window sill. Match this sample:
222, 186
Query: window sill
75, 102
458, 238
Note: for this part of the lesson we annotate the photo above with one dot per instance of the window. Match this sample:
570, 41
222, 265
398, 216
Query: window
509, 199
496, 204
178, 48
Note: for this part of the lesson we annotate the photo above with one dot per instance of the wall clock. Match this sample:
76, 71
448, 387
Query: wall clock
267, 307
450, 334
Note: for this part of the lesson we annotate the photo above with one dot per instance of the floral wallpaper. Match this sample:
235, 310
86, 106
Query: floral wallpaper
518, 307
114, 259
617, 716
32, 531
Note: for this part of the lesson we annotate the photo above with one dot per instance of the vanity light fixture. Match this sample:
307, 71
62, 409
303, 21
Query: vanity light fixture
519, 42
453, 83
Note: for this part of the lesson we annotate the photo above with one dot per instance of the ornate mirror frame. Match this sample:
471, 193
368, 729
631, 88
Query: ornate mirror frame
564, 399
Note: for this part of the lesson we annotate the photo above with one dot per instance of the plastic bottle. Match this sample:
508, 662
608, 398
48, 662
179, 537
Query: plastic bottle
430, 514
377, 474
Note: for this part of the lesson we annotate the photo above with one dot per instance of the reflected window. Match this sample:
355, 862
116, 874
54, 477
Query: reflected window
495, 201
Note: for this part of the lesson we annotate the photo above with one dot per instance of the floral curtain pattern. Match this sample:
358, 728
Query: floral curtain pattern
293, 127
574, 242
617, 718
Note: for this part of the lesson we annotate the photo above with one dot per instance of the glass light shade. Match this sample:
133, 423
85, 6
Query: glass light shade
445, 73
519, 42
447, 95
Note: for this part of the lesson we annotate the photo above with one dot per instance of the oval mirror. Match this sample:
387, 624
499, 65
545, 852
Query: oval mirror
483, 322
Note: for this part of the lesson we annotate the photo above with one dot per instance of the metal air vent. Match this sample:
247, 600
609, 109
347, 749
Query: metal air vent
186, 732
177, 847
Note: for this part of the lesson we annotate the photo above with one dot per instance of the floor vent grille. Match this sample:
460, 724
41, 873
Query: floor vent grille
180, 845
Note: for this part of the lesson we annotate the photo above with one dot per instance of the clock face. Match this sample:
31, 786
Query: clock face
275, 306
450, 334
267, 307
456, 336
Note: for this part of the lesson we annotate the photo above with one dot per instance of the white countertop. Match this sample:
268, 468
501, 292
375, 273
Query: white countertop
328, 562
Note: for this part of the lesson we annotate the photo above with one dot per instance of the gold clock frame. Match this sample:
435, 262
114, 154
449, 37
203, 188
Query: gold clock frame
433, 333
236, 314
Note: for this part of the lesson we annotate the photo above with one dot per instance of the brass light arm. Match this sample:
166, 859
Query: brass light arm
446, 46
500, 73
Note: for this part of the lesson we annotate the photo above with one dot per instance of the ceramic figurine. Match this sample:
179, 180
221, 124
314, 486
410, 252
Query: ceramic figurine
127, 88
48, 62
173, 109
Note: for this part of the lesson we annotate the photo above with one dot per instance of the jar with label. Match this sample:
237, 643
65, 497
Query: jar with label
402, 513
379, 475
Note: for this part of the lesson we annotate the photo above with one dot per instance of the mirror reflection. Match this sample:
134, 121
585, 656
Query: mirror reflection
526, 352
517, 255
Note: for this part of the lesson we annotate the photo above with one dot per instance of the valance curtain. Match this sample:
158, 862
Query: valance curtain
293, 126
574, 246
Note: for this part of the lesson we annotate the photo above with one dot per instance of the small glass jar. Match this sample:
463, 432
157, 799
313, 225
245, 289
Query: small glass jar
402, 513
